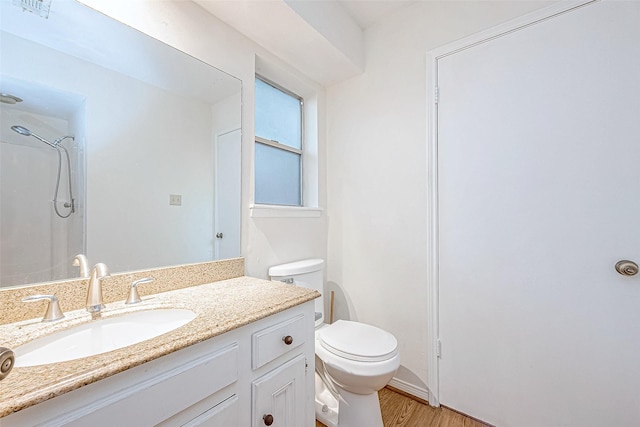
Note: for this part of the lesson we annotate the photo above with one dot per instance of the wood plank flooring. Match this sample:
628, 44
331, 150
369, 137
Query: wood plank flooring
402, 411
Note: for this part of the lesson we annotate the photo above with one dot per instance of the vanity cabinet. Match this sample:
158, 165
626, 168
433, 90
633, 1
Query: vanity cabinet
278, 396
233, 380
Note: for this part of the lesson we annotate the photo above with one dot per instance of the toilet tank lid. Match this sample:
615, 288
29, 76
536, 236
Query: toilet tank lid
298, 267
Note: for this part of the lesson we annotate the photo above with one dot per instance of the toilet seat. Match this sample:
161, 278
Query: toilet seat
358, 341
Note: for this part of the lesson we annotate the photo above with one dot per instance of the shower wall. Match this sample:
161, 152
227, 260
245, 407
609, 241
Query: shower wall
37, 245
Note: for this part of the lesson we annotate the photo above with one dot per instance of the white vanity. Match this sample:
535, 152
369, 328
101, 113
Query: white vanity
247, 359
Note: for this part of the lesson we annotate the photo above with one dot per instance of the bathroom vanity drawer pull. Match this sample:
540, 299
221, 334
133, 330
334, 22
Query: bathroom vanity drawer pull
268, 419
288, 340
627, 268
7, 359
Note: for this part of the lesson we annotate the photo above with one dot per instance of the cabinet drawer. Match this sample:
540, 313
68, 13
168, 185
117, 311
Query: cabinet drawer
274, 341
224, 414
218, 410
162, 396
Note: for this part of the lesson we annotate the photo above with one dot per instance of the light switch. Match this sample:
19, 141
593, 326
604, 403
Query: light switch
175, 199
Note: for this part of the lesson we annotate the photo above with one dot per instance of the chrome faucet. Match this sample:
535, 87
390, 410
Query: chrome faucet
94, 293
81, 261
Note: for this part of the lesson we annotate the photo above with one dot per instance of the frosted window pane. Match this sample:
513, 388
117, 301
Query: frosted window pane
278, 115
277, 176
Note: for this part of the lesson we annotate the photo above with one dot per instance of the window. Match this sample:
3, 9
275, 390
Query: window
278, 148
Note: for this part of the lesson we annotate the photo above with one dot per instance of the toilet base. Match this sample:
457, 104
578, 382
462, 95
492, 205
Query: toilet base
357, 410
353, 410
326, 404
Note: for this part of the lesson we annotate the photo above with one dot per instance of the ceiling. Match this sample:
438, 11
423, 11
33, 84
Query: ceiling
323, 39
369, 12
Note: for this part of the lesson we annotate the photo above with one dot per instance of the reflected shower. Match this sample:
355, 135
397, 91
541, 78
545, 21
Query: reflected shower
55, 144
26, 132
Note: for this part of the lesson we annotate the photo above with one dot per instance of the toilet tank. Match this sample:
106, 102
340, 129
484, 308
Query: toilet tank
308, 273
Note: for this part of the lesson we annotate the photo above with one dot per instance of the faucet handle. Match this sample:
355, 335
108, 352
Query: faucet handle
134, 297
53, 308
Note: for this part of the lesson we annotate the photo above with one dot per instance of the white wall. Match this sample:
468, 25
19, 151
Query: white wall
377, 176
128, 184
184, 25
225, 115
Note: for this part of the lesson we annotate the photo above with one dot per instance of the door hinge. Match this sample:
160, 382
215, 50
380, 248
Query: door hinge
439, 348
436, 94
306, 365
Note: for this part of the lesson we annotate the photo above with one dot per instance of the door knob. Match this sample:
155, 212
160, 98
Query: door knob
219, 235
627, 268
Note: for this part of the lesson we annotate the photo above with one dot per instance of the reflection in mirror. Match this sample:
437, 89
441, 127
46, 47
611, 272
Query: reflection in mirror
153, 143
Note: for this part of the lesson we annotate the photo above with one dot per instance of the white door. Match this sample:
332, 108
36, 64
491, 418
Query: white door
227, 197
539, 197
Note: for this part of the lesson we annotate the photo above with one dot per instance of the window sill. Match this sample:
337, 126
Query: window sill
274, 211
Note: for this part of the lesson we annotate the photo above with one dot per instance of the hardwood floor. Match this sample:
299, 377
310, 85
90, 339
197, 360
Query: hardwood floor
401, 411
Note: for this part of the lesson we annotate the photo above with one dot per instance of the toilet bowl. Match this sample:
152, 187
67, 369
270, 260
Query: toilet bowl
353, 360
357, 360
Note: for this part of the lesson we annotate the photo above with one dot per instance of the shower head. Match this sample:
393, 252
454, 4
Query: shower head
21, 130
26, 132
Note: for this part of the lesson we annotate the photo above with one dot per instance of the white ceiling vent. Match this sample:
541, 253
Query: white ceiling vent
39, 7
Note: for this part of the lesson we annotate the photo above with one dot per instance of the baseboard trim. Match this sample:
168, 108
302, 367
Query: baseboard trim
469, 416
417, 393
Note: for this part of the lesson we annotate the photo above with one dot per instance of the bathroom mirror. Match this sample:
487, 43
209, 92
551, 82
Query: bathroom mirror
147, 138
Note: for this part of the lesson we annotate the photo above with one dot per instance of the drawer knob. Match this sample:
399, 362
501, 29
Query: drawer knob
627, 268
288, 340
268, 419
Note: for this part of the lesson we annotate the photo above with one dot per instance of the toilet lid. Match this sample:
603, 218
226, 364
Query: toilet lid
358, 341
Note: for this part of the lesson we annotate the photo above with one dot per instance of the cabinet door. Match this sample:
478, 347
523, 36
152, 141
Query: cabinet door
279, 396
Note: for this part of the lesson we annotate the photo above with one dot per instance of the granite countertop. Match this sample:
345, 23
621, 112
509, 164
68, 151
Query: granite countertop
220, 307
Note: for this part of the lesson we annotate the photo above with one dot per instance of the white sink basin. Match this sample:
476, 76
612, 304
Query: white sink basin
101, 336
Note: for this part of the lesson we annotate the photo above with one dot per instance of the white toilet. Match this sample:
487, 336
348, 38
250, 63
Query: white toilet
353, 360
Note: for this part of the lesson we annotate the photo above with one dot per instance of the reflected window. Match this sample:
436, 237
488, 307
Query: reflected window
278, 148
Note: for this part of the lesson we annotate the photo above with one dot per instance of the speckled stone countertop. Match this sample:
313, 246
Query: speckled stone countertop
220, 307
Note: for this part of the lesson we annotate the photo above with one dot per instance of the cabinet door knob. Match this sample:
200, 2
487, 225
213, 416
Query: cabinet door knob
288, 340
268, 419
627, 268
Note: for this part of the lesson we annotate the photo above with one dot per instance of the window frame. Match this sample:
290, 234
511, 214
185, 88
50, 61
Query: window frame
285, 147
